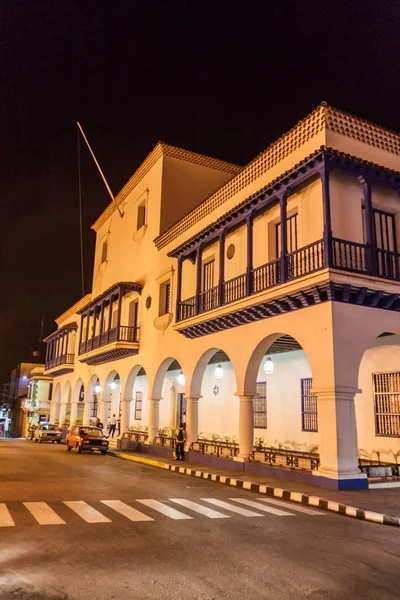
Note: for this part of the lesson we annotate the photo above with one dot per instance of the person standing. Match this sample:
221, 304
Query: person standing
113, 424
180, 443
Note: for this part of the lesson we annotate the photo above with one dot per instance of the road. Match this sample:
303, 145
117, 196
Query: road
73, 527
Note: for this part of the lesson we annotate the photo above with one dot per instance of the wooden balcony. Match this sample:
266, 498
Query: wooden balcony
112, 344
60, 365
347, 256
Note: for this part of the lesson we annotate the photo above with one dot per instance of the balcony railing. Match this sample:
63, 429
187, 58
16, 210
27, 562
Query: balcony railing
57, 361
346, 256
125, 334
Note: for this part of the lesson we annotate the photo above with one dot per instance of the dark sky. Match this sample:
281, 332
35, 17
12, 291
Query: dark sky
224, 78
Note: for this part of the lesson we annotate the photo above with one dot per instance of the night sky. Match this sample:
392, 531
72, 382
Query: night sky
223, 78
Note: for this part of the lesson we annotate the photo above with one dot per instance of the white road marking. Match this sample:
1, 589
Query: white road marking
43, 514
293, 506
203, 510
236, 509
127, 511
6, 519
86, 512
170, 512
268, 509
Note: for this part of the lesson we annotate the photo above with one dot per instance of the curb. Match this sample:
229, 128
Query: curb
314, 501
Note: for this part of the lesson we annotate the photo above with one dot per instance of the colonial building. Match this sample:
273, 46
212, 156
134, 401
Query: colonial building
30, 392
258, 303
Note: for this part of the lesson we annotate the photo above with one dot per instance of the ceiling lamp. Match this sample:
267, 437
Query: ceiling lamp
219, 372
97, 388
181, 379
269, 366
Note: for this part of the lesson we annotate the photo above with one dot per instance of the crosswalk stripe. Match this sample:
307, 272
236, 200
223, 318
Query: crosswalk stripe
293, 506
236, 509
268, 509
6, 519
43, 513
127, 511
203, 510
170, 512
86, 512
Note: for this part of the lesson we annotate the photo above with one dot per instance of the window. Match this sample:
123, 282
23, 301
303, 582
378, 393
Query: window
291, 228
260, 406
165, 298
309, 406
386, 389
95, 404
138, 406
133, 318
208, 275
50, 391
182, 408
141, 216
104, 252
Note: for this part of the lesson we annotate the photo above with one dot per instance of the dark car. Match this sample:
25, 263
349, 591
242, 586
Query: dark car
86, 438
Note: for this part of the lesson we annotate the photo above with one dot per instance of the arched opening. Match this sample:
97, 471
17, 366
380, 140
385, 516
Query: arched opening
214, 382
135, 396
66, 408
55, 405
92, 396
112, 400
285, 409
377, 405
169, 387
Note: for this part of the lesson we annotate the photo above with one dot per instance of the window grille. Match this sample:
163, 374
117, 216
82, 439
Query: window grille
386, 388
208, 275
260, 406
309, 406
138, 406
182, 408
95, 405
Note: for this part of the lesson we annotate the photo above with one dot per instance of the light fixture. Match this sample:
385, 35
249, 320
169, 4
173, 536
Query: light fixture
113, 385
269, 366
181, 379
219, 372
97, 389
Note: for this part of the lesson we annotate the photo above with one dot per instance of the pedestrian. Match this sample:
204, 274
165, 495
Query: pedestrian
119, 425
113, 424
180, 443
99, 423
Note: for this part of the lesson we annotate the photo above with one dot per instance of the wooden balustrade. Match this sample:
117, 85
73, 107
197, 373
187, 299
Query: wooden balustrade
234, 289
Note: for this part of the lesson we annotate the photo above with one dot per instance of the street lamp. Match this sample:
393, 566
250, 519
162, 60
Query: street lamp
97, 389
181, 379
219, 372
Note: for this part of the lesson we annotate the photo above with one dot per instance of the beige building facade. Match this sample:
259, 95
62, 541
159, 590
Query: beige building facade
217, 275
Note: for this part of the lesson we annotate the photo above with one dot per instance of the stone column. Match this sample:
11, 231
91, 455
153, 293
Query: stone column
86, 413
246, 427
192, 420
338, 447
104, 410
63, 412
173, 415
53, 411
74, 413
125, 414
154, 418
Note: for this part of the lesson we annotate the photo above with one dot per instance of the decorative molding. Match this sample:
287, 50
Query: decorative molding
161, 323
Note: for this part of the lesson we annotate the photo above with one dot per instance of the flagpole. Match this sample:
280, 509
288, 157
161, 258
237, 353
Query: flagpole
121, 214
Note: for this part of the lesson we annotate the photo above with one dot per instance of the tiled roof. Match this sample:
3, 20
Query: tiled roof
322, 117
159, 150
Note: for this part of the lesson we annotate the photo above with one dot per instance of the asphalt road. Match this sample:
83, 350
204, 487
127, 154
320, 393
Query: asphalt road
154, 556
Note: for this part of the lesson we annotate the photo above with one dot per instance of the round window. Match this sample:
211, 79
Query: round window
230, 253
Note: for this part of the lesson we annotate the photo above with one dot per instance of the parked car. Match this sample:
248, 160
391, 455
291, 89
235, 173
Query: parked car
47, 432
86, 438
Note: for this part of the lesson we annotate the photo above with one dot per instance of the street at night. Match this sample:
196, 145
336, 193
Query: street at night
171, 550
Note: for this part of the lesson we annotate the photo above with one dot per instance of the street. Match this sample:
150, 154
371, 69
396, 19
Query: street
96, 527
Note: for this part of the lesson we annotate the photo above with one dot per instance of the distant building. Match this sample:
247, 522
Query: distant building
30, 391
259, 304
5, 410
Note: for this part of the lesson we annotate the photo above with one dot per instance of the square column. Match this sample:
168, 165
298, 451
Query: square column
74, 413
249, 268
246, 427
326, 207
192, 420
178, 288
154, 418
125, 414
338, 447
199, 254
283, 217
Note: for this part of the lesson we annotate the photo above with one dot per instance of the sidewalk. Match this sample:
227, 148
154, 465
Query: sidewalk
377, 505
